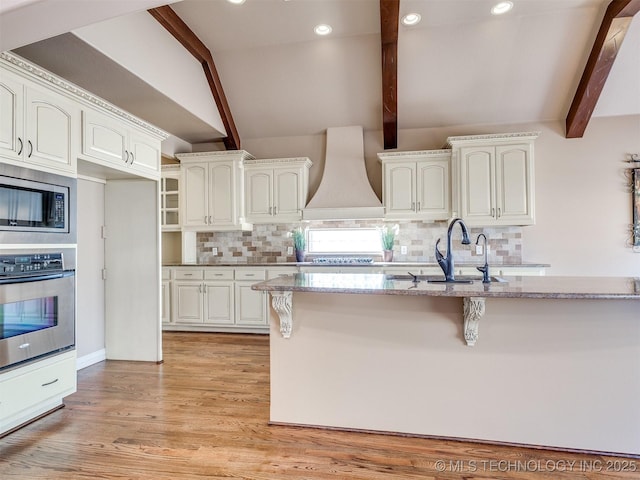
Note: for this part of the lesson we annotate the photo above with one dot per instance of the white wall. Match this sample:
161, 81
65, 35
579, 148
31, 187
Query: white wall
583, 203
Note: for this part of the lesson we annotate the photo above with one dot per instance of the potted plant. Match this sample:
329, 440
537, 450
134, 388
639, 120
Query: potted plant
299, 242
388, 236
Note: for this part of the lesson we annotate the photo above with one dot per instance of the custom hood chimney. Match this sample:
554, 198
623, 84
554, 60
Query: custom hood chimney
344, 191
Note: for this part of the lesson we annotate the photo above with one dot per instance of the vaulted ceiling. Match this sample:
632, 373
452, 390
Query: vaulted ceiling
459, 66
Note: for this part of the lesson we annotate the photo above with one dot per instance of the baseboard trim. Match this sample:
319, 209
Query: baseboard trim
91, 358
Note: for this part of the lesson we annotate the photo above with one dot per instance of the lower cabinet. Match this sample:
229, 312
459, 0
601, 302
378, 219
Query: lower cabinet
36, 388
217, 299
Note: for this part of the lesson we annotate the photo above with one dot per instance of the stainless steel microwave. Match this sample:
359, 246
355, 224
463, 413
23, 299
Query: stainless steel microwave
36, 207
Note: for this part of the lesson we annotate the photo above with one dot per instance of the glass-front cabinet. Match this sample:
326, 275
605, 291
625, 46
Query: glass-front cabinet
170, 198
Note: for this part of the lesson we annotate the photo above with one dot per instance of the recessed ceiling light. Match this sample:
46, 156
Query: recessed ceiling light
411, 18
502, 7
236, 2
322, 29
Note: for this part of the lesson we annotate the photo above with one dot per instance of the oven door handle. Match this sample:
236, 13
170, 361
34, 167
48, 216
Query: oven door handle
37, 278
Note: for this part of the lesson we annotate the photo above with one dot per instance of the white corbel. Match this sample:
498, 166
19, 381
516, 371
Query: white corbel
281, 303
473, 312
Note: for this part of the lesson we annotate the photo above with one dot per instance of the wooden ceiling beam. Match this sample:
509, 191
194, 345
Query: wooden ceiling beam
613, 28
389, 17
170, 20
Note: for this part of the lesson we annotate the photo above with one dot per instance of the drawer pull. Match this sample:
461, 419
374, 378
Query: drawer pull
188, 274
250, 274
24, 345
50, 383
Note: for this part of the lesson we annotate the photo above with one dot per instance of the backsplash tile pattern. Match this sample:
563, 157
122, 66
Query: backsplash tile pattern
268, 243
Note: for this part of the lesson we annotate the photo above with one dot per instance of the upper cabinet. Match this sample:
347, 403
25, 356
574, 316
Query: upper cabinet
416, 185
276, 189
170, 198
211, 190
114, 143
494, 178
49, 124
37, 125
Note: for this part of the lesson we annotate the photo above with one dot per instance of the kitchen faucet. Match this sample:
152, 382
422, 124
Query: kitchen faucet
485, 268
446, 263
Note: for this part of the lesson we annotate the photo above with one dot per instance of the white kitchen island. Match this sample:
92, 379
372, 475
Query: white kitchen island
555, 363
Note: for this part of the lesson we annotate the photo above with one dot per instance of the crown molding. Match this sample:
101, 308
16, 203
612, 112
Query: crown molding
22, 66
279, 161
494, 137
414, 154
216, 155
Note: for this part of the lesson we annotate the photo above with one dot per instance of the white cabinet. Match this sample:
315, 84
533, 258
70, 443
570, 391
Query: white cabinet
211, 191
170, 198
251, 305
495, 178
203, 297
114, 143
37, 125
276, 189
30, 391
416, 185
165, 295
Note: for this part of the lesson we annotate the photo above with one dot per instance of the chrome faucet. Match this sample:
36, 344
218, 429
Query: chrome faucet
485, 268
446, 263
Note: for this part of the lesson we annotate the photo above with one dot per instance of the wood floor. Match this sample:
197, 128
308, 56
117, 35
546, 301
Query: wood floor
204, 413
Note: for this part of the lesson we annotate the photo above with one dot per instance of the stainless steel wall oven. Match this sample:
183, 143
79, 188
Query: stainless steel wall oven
36, 207
37, 306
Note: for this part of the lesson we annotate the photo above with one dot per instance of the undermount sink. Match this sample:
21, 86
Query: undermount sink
440, 278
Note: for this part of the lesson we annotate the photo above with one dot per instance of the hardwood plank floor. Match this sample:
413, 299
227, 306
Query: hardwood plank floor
204, 414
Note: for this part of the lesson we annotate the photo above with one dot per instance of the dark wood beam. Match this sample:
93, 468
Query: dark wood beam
605, 49
389, 16
170, 20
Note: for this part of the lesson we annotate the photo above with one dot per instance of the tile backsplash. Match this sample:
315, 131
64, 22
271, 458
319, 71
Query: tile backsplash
268, 243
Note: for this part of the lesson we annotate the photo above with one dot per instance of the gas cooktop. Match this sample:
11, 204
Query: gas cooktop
343, 260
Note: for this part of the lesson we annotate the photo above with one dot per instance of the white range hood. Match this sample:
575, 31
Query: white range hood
344, 192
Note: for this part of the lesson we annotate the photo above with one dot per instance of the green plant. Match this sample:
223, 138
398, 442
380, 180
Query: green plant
388, 236
299, 240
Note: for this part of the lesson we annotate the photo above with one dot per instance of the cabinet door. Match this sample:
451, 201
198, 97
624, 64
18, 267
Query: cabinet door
259, 195
477, 189
400, 190
169, 201
287, 193
144, 152
219, 301
433, 190
251, 305
222, 205
103, 138
50, 122
195, 195
187, 302
11, 119
514, 182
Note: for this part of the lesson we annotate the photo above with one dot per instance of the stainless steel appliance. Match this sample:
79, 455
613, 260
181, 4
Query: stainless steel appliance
37, 306
36, 207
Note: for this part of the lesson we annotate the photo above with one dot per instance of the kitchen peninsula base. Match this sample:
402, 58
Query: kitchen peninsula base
559, 373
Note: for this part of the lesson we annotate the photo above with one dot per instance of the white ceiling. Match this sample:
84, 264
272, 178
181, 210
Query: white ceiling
459, 66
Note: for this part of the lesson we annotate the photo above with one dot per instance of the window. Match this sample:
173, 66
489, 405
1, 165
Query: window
343, 240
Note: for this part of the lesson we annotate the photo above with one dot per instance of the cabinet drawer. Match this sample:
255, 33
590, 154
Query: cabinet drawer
189, 274
166, 274
23, 391
217, 274
250, 274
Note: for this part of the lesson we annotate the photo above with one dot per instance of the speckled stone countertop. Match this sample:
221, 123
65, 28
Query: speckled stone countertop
512, 287
349, 265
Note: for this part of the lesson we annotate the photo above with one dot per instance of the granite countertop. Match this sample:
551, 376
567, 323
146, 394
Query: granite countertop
512, 287
349, 265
